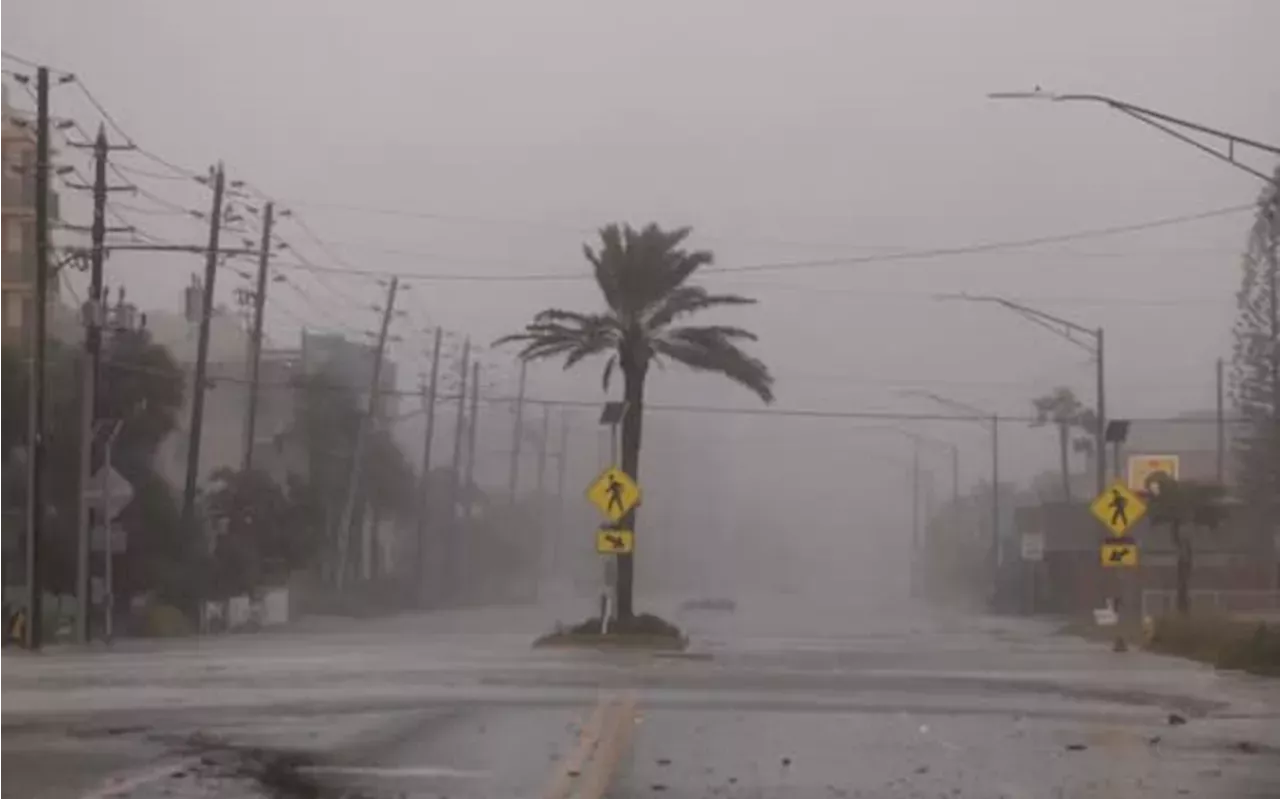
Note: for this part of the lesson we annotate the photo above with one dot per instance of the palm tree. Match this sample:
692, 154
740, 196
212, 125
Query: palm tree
643, 275
1179, 505
1061, 409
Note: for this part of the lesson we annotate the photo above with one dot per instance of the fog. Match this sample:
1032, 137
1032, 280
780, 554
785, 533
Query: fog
474, 147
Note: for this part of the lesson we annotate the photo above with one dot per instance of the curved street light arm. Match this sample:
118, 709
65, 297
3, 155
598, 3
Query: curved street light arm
1166, 124
1064, 328
977, 414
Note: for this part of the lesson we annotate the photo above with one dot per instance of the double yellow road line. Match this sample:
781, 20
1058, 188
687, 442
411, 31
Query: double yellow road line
585, 773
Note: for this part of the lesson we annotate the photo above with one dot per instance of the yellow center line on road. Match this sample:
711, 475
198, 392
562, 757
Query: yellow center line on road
569, 767
586, 771
614, 743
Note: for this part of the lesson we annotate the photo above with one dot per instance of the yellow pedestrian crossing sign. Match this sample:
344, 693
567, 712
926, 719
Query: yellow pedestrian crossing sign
614, 493
1118, 508
615, 542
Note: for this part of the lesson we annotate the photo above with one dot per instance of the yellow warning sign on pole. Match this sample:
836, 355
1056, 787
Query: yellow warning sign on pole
614, 493
1118, 508
1119, 555
615, 542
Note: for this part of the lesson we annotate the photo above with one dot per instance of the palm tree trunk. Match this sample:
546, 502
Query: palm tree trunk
633, 392
1183, 573
1064, 433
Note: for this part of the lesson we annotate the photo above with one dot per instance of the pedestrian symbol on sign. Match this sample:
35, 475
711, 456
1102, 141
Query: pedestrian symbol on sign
1119, 503
615, 490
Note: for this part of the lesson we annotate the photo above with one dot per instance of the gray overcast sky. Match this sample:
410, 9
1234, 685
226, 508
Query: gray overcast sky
781, 131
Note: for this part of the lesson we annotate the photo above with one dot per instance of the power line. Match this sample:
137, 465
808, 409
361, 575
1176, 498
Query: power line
904, 255
406, 214
111, 120
133, 170
991, 246
784, 413
26, 62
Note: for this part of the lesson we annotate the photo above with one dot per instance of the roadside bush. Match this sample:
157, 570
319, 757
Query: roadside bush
1257, 652
1227, 644
166, 621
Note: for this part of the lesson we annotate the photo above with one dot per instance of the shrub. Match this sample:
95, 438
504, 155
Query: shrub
1227, 644
166, 621
643, 624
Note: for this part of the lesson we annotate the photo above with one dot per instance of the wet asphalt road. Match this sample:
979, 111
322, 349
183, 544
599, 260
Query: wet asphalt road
777, 699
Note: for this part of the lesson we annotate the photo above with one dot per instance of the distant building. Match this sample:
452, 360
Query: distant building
226, 398
1193, 437
17, 226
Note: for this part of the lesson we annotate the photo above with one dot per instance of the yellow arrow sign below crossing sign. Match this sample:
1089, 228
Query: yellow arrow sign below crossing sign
615, 542
614, 493
1118, 508
1119, 555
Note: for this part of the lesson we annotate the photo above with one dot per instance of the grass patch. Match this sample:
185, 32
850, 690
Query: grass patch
644, 631
1227, 644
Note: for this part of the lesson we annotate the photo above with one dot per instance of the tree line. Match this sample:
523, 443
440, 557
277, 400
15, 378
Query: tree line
256, 528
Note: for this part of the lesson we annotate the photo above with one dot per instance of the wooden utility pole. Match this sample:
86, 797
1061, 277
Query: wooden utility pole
35, 410
94, 319
424, 487
189, 526
363, 432
1221, 470
471, 435
450, 555
255, 341
517, 436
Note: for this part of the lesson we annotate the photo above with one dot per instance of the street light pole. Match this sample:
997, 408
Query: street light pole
981, 416
1169, 125
1070, 331
934, 442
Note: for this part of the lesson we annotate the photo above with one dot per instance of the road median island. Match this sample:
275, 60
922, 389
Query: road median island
644, 631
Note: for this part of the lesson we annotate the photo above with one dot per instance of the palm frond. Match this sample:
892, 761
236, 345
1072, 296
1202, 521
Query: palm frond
637, 269
588, 348
686, 300
607, 375
712, 349
556, 332
541, 350
561, 316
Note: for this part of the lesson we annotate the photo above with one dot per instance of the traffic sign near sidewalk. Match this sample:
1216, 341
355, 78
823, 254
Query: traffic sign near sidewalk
614, 493
119, 488
610, 541
1122, 553
1118, 508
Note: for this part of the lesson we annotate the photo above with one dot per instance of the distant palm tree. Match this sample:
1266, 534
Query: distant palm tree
1061, 409
643, 276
